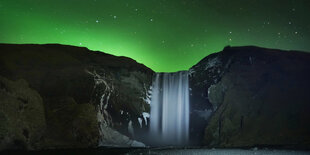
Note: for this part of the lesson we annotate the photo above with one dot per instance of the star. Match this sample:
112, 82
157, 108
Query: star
171, 24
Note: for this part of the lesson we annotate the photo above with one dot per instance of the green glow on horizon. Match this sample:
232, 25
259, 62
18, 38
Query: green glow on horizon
164, 35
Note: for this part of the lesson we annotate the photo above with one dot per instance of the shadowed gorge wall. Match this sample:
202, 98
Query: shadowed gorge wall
250, 96
74, 84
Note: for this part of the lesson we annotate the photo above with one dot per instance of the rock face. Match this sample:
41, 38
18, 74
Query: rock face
21, 115
255, 97
201, 77
69, 87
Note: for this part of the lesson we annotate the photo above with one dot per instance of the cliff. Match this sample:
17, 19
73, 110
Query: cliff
66, 92
252, 96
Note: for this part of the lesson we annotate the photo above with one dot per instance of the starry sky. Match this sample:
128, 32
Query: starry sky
165, 35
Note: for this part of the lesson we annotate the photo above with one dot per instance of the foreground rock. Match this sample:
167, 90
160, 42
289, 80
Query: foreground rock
256, 97
22, 122
69, 86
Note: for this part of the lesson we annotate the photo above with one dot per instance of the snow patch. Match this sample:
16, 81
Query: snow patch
251, 60
102, 80
204, 113
140, 122
113, 138
148, 94
130, 128
145, 116
213, 62
137, 144
191, 72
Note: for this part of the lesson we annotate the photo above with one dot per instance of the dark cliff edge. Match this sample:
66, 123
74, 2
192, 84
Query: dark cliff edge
54, 96
251, 97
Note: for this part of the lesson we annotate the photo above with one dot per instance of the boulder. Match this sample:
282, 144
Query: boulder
70, 125
22, 120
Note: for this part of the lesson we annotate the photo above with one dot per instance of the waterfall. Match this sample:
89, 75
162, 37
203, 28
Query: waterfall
169, 117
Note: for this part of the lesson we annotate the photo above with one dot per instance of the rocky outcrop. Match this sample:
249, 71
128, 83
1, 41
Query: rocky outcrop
22, 122
74, 86
258, 97
70, 125
201, 77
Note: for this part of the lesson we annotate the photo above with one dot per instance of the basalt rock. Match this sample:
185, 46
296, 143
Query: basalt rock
73, 85
258, 97
22, 121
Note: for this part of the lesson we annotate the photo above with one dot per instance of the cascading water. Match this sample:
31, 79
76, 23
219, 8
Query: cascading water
169, 117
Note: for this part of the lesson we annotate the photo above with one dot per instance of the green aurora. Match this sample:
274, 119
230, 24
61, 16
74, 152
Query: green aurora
165, 35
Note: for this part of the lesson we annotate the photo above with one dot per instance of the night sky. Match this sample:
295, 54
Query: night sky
165, 35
